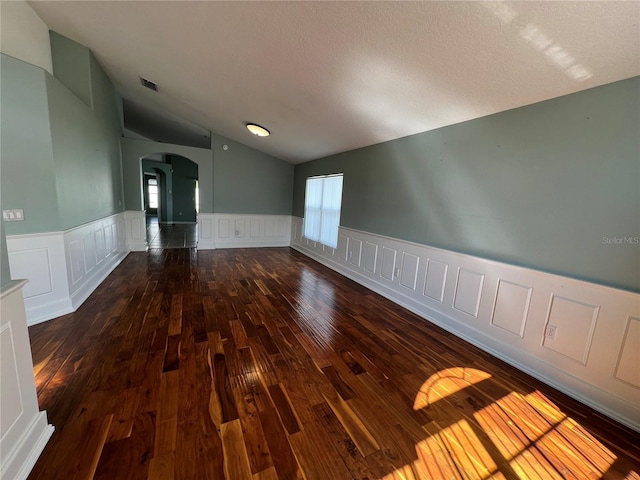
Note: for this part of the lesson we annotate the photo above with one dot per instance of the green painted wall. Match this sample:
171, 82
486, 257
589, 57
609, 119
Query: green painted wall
60, 158
238, 180
72, 66
184, 176
27, 172
86, 150
248, 181
542, 186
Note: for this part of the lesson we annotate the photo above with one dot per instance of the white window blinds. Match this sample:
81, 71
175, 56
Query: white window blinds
322, 202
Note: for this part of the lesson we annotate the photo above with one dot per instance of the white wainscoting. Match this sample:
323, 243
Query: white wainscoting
223, 230
581, 338
93, 251
64, 268
206, 231
24, 430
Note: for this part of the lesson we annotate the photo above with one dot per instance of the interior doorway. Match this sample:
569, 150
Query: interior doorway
171, 203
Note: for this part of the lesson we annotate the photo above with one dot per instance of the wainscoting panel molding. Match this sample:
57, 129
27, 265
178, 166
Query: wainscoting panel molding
343, 247
388, 263
370, 257
355, 251
136, 229
627, 369
591, 351
206, 231
435, 280
27, 261
225, 230
409, 270
89, 261
468, 292
511, 307
572, 324
64, 268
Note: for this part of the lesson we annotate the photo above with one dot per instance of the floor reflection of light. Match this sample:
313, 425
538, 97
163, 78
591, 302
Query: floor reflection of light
447, 382
515, 436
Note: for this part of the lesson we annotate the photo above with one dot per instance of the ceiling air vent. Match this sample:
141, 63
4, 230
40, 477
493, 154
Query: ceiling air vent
150, 85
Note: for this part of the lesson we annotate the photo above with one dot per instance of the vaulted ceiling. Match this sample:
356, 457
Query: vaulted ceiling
327, 77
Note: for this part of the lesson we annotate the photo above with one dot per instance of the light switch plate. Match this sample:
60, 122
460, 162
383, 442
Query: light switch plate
15, 215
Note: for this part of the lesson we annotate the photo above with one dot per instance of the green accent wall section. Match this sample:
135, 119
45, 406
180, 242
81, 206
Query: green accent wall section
86, 151
27, 172
247, 181
72, 66
553, 186
60, 157
184, 176
238, 180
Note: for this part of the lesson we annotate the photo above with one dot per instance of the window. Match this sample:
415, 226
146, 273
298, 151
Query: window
322, 202
152, 190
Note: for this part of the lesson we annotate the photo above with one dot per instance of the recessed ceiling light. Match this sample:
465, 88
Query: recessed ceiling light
258, 130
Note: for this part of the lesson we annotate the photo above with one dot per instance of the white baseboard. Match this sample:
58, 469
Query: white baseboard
42, 312
137, 247
25, 454
505, 310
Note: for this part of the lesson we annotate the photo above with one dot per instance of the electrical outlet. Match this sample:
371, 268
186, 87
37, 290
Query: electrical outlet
396, 272
237, 233
550, 331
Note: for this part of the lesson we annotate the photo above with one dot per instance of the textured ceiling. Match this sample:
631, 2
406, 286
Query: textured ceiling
326, 77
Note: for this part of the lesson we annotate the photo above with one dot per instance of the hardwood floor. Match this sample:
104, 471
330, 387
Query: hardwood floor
161, 235
262, 364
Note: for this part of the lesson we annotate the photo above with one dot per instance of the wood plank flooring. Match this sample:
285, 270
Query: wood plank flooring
262, 364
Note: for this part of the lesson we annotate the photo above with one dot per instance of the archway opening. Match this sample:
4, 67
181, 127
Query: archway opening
170, 196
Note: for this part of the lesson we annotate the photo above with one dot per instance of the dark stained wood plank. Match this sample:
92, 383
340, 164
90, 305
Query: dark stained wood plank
284, 460
222, 384
283, 405
342, 387
172, 353
167, 415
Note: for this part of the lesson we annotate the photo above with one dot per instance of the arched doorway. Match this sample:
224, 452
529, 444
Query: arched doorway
170, 196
